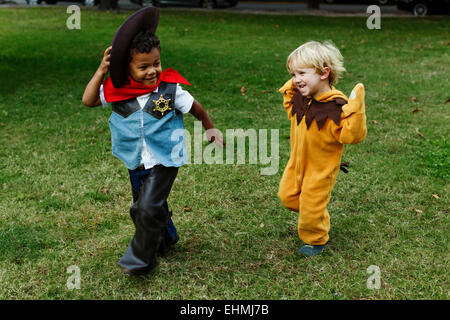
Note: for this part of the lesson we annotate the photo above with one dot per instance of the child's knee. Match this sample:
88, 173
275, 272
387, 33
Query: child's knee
289, 201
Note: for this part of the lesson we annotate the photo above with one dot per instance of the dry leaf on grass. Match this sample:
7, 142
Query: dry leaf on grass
420, 133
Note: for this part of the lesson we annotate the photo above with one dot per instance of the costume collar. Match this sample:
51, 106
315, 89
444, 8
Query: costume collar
326, 105
134, 89
330, 95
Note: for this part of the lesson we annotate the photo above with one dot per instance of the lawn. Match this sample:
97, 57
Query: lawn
65, 198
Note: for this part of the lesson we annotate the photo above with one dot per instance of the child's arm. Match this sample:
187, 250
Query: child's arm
288, 92
353, 129
91, 96
212, 133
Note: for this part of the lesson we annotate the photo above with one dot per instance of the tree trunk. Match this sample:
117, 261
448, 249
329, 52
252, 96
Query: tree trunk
313, 4
108, 5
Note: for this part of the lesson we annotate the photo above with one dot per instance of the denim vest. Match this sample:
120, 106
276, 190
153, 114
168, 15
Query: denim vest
155, 123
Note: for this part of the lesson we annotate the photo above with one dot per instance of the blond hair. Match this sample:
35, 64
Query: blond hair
314, 54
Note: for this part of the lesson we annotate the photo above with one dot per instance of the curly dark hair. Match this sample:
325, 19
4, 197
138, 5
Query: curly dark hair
143, 42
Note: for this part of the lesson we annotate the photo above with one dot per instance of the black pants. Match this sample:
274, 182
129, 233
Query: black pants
149, 215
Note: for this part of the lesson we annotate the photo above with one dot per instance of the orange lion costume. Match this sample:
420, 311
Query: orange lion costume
319, 129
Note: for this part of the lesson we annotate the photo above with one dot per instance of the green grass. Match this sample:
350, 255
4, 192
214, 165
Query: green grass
64, 198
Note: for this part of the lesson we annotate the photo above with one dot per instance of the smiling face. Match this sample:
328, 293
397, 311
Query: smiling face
145, 67
309, 82
315, 67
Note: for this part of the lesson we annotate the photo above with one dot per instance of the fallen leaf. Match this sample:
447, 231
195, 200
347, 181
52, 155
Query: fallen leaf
243, 90
262, 225
186, 209
448, 100
436, 196
414, 99
420, 133
374, 121
415, 110
362, 41
418, 211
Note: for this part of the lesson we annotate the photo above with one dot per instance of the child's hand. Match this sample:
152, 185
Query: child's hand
215, 136
91, 96
212, 134
104, 65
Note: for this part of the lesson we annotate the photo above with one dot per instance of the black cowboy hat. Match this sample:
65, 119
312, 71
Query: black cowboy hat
145, 19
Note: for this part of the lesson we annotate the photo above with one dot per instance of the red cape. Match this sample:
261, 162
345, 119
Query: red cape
134, 89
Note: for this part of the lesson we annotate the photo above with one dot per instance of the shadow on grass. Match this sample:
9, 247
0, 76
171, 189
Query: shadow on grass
19, 72
24, 242
37, 71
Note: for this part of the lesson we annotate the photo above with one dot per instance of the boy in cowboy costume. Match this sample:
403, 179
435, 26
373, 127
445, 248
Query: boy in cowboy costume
147, 111
322, 119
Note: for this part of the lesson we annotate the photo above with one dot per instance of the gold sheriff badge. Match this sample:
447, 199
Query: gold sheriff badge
164, 102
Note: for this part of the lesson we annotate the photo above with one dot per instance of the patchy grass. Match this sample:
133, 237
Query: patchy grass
65, 199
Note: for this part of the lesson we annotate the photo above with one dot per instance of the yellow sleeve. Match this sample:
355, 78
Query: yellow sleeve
352, 128
288, 91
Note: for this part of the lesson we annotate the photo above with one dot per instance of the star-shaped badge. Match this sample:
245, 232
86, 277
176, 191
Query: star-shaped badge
164, 102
